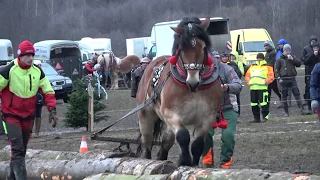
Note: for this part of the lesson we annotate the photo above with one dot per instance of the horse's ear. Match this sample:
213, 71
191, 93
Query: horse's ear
205, 24
178, 30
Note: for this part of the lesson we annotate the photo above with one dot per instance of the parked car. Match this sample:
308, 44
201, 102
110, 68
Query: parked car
61, 85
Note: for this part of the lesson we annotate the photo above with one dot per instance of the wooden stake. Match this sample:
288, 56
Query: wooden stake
90, 109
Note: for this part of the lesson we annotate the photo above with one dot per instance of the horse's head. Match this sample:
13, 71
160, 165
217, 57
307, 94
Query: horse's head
94, 58
191, 47
101, 60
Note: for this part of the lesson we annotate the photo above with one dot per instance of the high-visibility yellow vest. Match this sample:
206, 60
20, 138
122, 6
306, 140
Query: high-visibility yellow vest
259, 76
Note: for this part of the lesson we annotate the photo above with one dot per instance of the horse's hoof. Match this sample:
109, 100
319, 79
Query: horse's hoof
185, 161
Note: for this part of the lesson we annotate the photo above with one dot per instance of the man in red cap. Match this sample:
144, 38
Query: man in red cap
20, 81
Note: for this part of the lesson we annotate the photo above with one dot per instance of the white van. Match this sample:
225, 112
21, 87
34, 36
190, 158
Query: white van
162, 36
63, 55
138, 46
86, 51
98, 45
6, 51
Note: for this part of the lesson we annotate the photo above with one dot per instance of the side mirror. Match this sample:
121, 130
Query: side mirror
240, 52
61, 72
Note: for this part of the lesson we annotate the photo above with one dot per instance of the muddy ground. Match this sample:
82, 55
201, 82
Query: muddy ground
282, 144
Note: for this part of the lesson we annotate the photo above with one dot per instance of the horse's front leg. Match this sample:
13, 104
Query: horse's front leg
183, 138
198, 144
147, 119
116, 79
168, 140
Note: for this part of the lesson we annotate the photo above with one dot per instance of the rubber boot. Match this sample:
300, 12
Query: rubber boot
256, 120
19, 169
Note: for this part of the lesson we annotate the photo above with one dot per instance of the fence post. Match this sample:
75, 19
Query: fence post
90, 109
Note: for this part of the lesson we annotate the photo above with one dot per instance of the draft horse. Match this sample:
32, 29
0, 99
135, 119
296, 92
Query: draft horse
114, 65
185, 92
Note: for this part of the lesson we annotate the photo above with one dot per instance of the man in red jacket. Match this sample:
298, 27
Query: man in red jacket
19, 82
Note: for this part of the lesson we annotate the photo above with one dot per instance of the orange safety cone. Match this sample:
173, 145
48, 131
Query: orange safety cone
83, 146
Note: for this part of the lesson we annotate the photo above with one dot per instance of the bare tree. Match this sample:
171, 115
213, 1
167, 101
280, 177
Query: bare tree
38, 20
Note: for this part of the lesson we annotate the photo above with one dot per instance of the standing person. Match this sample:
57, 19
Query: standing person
310, 57
230, 61
231, 85
315, 89
270, 58
234, 56
136, 76
285, 71
281, 43
89, 66
20, 81
258, 77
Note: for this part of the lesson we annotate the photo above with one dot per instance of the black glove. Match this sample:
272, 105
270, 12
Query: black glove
53, 116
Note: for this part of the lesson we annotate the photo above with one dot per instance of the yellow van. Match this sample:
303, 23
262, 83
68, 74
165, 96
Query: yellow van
249, 42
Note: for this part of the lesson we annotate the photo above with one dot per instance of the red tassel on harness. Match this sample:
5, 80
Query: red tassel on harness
209, 61
215, 124
222, 123
173, 60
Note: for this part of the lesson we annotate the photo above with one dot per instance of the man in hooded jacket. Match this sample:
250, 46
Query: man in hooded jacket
270, 58
281, 43
309, 60
231, 85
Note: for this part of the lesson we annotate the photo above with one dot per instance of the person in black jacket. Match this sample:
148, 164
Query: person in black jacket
270, 57
136, 76
285, 72
310, 58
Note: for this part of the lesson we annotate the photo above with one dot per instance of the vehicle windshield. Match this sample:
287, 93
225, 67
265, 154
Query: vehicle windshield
48, 69
254, 46
90, 55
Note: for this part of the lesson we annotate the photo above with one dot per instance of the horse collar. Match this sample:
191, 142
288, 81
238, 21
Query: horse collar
207, 79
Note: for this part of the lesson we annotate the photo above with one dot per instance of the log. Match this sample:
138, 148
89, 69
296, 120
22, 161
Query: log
62, 155
106, 176
235, 174
82, 168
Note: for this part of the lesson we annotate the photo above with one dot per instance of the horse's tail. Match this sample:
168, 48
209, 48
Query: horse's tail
157, 132
127, 63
